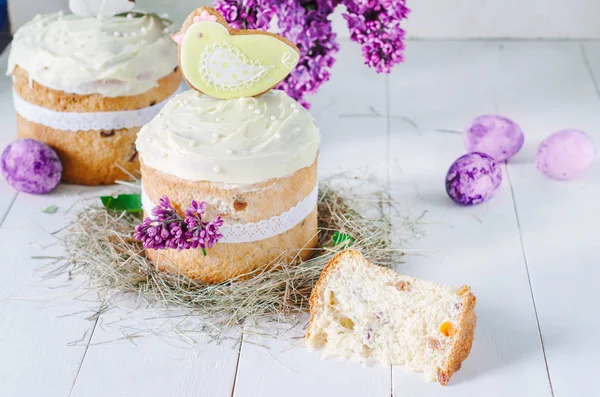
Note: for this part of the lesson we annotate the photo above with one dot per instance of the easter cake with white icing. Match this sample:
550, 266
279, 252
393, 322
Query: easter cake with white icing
250, 160
85, 83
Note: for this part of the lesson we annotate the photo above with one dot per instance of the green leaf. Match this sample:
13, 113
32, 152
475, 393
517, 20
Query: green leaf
51, 209
345, 240
130, 203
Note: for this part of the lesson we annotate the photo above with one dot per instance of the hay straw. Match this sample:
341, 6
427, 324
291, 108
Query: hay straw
99, 244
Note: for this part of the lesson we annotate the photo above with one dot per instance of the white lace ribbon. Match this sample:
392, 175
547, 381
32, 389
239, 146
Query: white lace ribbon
74, 121
249, 232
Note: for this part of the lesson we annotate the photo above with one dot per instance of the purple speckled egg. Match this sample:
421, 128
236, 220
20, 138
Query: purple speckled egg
494, 135
31, 166
473, 179
566, 154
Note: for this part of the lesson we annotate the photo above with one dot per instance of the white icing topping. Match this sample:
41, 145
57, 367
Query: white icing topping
116, 56
104, 8
242, 148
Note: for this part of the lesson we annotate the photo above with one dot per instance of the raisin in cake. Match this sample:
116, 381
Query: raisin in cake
365, 312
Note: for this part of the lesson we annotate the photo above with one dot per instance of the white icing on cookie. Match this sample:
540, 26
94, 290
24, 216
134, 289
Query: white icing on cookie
117, 56
235, 141
226, 68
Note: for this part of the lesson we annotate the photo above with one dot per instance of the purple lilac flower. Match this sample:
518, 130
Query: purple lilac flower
164, 211
168, 230
306, 23
247, 14
374, 24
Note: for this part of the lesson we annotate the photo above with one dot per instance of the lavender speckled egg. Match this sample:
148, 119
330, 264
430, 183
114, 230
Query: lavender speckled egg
566, 154
496, 136
473, 179
31, 166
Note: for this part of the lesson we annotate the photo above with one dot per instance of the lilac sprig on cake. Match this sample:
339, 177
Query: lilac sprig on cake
167, 229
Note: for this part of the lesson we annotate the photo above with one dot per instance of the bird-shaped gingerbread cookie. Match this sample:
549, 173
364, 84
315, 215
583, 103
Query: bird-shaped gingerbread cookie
226, 63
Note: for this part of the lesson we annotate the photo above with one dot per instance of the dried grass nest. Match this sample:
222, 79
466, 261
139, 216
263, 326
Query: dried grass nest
99, 244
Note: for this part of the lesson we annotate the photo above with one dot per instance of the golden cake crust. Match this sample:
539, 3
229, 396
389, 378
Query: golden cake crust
90, 157
463, 339
319, 288
228, 261
61, 101
225, 261
239, 204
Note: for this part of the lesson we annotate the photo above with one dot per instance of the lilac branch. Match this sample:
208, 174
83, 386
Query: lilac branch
374, 24
168, 230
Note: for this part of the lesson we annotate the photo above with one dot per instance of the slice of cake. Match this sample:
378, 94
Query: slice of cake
365, 312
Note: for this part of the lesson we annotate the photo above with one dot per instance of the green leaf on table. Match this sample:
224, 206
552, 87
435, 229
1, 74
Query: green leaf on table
130, 203
51, 209
345, 240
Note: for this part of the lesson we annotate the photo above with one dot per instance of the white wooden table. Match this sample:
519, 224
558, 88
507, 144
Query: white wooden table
531, 254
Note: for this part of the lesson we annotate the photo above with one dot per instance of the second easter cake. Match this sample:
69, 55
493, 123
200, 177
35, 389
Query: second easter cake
84, 84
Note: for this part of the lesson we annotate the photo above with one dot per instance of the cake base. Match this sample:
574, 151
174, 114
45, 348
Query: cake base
227, 261
247, 204
89, 157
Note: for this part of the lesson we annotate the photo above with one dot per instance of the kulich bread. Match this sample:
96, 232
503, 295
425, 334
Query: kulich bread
89, 157
247, 163
117, 56
253, 161
85, 86
254, 203
365, 312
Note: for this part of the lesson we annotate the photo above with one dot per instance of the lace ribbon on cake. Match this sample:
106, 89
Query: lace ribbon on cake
74, 121
256, 231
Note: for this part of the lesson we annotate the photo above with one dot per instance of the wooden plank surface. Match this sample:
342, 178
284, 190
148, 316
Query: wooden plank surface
550, 88
533, 243
42, 340
441, 89
154, 366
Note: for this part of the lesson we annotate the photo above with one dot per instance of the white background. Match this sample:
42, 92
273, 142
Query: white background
429, 19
